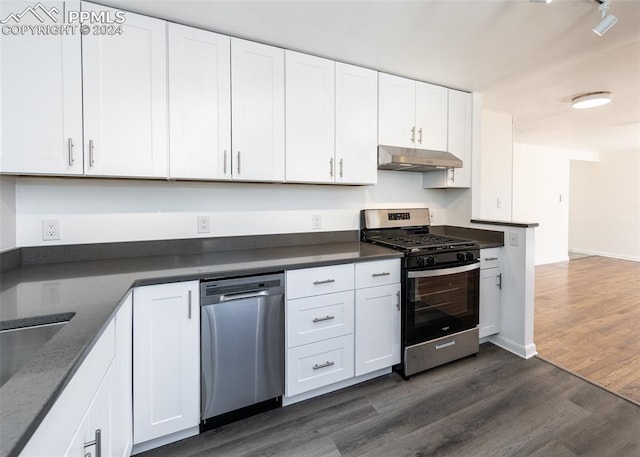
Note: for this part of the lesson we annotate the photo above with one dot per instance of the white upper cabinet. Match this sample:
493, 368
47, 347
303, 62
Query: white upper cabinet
397, 111
125, 99
310, 118
431, 116
460, 143
356, 125
412, 114
257, 74
199, 104
41, 109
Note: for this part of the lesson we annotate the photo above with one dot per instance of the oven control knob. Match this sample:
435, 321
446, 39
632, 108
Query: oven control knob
430, 261
461, 256
470, 256
420, 261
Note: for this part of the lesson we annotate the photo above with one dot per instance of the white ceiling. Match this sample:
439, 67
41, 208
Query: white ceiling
527, 59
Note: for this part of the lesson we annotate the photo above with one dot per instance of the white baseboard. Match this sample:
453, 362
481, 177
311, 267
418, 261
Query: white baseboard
605, 254
526, 352
553, 260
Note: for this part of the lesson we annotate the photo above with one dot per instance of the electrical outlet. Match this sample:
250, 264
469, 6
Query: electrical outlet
204, 224
50, 229
513, 239
51, 293
316, 222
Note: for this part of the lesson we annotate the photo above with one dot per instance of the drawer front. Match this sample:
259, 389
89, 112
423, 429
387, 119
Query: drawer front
319, 364
490, 258
321, 280
318, 318
377, 273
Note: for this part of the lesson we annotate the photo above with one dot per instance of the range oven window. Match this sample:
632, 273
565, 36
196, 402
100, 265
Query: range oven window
441, 302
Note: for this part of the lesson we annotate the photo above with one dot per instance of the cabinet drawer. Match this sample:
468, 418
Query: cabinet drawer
378, 273
490, 258
319, 364
313, 319
320, 280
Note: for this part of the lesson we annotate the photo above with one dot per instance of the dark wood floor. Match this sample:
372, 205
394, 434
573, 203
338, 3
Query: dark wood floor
496, 404
587, 320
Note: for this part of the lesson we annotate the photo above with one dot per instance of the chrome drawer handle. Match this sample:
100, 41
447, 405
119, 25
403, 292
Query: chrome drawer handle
326, 281
490, 258
445, 344
326, 318
324, 365
97, 442
375, 275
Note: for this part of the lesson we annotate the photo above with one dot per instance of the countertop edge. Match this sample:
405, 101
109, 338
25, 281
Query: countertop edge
506, 223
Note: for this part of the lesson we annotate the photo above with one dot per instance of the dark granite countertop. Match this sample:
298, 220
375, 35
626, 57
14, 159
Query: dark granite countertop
94, 289
485, 238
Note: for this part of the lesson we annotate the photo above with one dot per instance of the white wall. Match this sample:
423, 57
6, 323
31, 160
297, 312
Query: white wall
541, 194
605, 206
7, 213
95, 210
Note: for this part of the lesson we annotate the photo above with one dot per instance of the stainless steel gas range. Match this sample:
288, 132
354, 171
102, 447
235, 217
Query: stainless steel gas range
440, 284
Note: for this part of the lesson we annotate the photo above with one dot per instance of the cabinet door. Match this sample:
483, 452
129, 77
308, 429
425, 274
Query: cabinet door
41, 109
377, 328
125, 98
257, 92
490, 301
356, 125
199, 104
122, 427
396, 111
166, 359
431, 116
459, 143
310, 118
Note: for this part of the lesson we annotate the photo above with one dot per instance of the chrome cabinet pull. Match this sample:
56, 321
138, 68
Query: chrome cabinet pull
91, 157
398, 301
413, 134
490, 258
224, 163
97, 442
331, 167
326, 281
446, 344
189, 312
70, 150
453, 174
326, 318
420, 135
499, 283
386, 273
323, 365
238, 162
341, 168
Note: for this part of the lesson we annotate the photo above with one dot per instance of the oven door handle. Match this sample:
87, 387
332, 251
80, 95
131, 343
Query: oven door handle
443, 271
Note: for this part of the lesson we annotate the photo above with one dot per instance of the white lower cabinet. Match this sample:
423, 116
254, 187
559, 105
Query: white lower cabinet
92, 416
490, 291
335, 337
166, 361
318, 364
377, 329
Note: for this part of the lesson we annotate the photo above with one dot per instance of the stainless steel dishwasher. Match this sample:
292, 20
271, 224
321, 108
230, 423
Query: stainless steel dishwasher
242, 347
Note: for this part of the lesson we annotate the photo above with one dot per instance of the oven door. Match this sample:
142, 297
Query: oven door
441, 301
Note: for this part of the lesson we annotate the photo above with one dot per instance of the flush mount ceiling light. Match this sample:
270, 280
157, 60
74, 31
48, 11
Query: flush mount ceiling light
540, 1
591, 100
608, 20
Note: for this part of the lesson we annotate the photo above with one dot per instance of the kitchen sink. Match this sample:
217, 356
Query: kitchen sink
21, 338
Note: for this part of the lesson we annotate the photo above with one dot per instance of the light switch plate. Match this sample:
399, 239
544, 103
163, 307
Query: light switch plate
513, 239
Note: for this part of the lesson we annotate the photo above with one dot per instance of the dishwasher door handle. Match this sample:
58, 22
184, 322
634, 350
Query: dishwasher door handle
231, 297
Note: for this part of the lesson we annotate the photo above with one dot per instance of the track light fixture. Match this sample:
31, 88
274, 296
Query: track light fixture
608, 20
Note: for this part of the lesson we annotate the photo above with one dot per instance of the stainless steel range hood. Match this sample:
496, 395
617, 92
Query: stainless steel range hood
409, 159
